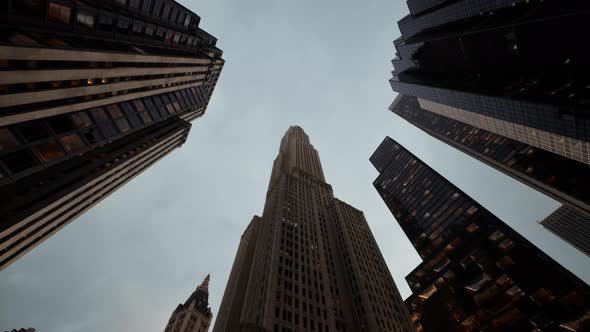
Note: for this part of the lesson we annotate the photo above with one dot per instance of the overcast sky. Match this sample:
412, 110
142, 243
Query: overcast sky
324, 65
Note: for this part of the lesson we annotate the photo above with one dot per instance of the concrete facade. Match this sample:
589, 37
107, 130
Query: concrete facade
93, 94
194, 315
310, 262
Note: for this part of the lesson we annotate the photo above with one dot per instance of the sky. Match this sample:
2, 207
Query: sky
324, 65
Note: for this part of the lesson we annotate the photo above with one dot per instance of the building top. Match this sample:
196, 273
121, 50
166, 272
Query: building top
200, 298
296, 153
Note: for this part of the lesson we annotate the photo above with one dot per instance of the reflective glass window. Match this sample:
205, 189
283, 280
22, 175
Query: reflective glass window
81, 120
33, 130
19, 161
49, 150
59, 13
7, 140
61, 124
72, 142
93, 136
85, 18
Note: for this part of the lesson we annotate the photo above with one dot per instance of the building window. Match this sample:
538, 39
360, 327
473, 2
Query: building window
119, 118
59, 13
28, 6
33, 130
105, 23
19, 161
81, 120
139, 107
137, 28
72, 142
93, 136
134, 4
60, 124
123, 24
49, 150
168, 38
7, 140
85, 18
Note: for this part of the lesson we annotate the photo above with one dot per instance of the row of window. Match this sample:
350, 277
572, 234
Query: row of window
28, 146
60, 13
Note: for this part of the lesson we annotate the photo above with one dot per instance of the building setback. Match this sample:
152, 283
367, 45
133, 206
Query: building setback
477, 273
195, 314
570, 225
512, 67
310, 262
92, 93
559, 177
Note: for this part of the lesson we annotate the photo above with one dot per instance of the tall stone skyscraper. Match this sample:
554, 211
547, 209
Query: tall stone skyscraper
92, 93
310, 263
477, 274
512, 67
194, 315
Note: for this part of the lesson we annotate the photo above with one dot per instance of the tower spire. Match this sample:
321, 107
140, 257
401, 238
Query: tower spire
204, 286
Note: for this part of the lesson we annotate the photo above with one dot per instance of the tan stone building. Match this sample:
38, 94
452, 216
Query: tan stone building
92, 93
194, 315
310, 263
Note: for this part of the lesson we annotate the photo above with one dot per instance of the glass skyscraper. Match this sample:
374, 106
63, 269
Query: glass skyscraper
477, 274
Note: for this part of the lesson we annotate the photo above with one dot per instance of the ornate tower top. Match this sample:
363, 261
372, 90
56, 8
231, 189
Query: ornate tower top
204, 286
296, 153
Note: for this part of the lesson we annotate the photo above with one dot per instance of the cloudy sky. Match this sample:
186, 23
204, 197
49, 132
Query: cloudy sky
324, 65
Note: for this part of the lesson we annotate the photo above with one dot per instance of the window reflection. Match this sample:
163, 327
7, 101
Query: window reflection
59, 13
72, 142
49, 150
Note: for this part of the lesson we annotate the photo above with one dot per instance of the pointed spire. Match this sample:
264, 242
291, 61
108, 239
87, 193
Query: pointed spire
205, 284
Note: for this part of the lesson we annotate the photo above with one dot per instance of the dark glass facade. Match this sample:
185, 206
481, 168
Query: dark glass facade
516, 61
477, 274
557, 176
91, 94
570, 225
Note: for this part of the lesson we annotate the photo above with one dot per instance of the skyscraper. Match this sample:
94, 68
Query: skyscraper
511, 67
310, 262
91, 94
194, 315
570, 225
477, 273
559, 177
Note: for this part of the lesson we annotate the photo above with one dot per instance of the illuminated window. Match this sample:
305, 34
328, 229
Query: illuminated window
505, 245
472, 228
59, 13
168, 38
72, 142
497, 235
472, 210
49, 150
85, 19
